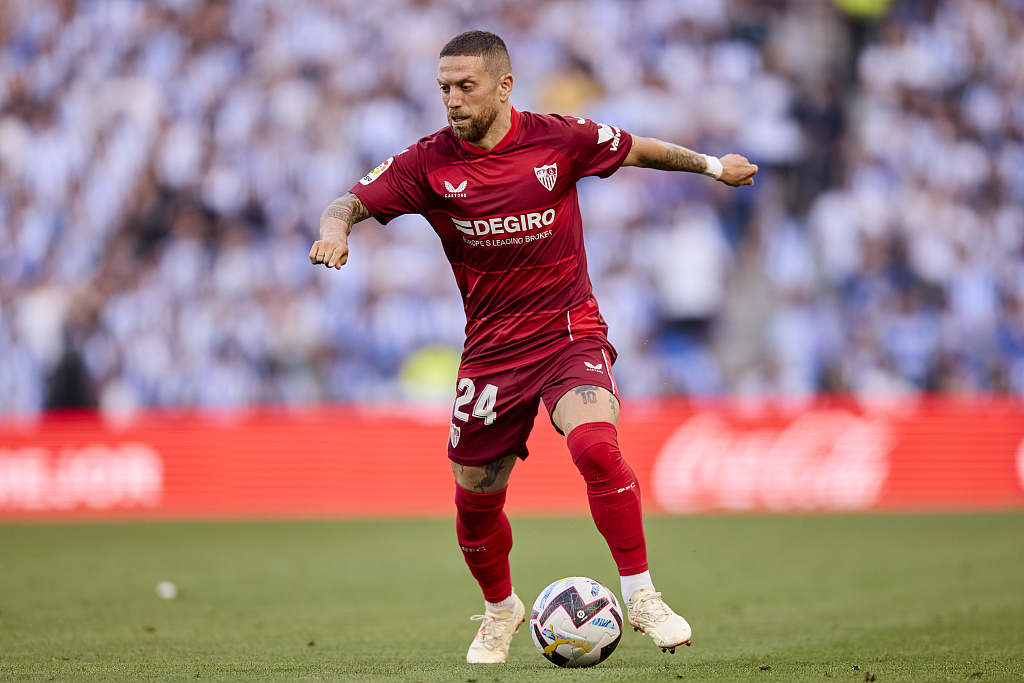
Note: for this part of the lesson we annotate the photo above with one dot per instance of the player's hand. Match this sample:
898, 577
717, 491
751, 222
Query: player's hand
331, 250
736, 170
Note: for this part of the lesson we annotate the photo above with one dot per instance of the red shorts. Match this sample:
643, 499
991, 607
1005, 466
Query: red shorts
493, 414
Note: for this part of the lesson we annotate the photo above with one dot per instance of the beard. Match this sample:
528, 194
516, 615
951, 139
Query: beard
476, 126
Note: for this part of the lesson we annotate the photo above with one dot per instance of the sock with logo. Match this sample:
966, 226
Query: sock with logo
613, 492
485, 537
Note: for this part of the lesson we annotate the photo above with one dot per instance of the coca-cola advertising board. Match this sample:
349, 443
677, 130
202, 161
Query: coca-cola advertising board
350, 461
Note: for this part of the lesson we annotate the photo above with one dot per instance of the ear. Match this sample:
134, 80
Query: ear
505, 87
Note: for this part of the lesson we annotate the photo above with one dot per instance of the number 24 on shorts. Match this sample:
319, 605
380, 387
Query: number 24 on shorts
484, 407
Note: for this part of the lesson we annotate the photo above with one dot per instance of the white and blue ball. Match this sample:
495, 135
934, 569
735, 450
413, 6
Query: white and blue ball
576, 622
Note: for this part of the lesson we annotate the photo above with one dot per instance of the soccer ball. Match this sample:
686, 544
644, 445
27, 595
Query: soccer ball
576, 622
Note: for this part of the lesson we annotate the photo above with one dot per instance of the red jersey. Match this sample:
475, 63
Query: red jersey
509, 220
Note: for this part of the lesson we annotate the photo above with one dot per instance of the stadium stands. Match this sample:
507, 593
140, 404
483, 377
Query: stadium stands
163, 165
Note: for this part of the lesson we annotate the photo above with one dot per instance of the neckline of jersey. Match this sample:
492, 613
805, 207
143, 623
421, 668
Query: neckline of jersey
503, 143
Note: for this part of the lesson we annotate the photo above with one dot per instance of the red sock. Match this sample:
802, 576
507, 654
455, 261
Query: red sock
613, 491
485, 537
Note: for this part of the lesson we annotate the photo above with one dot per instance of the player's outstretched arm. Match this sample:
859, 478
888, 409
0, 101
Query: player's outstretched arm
653, 153
335, 225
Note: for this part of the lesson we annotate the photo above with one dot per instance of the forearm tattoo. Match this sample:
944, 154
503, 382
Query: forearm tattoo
676, 158
491, 470
347, 209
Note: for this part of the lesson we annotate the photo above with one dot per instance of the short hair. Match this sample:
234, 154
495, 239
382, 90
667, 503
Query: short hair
481, 44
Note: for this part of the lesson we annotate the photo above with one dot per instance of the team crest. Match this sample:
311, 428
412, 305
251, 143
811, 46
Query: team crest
547, 175
453, 435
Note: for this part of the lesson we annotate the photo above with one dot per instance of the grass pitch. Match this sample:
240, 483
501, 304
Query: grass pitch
794, 598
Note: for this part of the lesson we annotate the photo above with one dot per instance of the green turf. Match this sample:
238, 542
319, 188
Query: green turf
904, 598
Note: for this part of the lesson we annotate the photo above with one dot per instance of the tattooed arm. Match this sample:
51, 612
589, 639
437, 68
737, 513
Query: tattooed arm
652, 153
335, 225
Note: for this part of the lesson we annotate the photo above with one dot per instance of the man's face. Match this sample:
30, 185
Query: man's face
469, 95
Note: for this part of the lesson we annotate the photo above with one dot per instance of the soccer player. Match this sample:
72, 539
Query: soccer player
499, 188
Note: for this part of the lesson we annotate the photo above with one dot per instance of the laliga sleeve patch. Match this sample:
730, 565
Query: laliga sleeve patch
375, 173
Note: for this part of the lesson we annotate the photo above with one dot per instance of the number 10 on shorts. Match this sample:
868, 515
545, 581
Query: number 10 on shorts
484, 406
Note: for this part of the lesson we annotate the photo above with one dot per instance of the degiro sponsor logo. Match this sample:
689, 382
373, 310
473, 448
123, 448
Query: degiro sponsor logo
500, 225
95, 476
823, 460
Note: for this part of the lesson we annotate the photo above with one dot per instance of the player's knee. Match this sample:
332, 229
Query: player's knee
595, 451
489, 478
474, 503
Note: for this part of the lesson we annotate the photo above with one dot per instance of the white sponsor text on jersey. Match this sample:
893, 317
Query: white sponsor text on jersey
500, 225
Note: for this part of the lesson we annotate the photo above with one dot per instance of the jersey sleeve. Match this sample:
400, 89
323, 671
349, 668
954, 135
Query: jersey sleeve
595, 148
394, 188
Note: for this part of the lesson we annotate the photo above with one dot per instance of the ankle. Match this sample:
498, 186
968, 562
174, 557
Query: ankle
638, 595
507, 603
632, 583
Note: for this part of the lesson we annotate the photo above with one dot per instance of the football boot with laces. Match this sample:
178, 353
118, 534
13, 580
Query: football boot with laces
649, 614
495, 635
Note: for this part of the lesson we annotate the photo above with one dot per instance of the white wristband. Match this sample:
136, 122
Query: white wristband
714, 168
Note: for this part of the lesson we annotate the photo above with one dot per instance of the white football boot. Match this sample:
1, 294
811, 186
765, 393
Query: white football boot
495, 635
649, 614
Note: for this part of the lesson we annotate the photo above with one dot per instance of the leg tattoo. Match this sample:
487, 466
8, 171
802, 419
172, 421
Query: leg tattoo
588, 393
492, 469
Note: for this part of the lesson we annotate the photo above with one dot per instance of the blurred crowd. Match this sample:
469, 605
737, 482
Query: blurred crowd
163, 166
907, 274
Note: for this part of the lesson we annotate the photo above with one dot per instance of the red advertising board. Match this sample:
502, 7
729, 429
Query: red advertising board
390, 461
